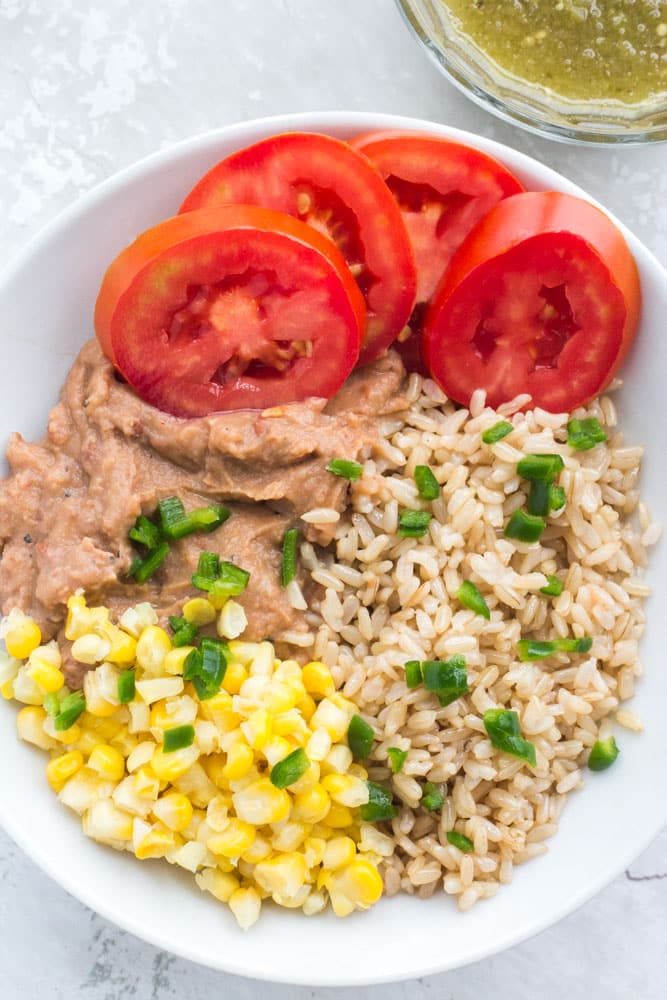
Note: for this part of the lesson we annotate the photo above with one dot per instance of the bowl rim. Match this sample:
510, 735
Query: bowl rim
338, 122
516, 112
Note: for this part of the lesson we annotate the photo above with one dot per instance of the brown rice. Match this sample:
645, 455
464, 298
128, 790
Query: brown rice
387, 599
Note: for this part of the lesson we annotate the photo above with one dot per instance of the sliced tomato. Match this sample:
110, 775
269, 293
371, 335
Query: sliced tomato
542, 297
230, 308
442, 189
334, 189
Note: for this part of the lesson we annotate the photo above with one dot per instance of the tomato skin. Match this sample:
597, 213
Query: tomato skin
442, 188
486, 327
264, 274
324, 182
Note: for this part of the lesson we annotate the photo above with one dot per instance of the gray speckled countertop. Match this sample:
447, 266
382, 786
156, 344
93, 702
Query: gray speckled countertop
88, 87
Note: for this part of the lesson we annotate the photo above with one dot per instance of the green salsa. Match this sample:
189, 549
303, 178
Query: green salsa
581, 50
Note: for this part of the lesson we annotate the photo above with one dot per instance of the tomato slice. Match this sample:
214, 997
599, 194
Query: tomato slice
230, 308
542, 297
322, 181
442, 189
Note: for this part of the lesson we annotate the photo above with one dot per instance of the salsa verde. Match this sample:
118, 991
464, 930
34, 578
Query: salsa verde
582, 50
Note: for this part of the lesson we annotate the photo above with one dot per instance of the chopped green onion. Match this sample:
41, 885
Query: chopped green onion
126, 689
177, 524
470, 598
554, 587
143, 569
178, 738
397, 759
171, 511
538, 498
206, 667
290, 543
539, 649
582, 435
446, 678
290, 769
541, 467
231, 581
459, 840
504, 732
344, 468
360, 737
145, 532
427, 485
413, 523
496, 433
185, 632
556, 497
413, 673
208, 565
379, 805
51, 703
432, 797
603, 754
71, 707
524, 527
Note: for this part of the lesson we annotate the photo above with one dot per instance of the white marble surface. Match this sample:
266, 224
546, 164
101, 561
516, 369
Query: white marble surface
87, 87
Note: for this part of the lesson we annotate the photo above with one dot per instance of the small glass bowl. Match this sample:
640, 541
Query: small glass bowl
522, 103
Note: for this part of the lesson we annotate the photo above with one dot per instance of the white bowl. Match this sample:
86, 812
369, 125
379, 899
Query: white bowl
46, 301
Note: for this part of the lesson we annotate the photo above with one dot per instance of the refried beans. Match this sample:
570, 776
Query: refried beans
70, 500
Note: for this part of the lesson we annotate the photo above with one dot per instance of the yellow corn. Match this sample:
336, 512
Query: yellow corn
357, 886
257, 728
276, 749
214, 765
289, 836
152, 646
96, 703
25, 690
317, 679
222, 885
218, 710
30, 727
235, 675
311, 806
90, 648
22, 638
245, 904
283, 873
261, 802
240, 759
180, 711
236, 838
259, 849
81, 619
107, 824
199, 611
107, 761
339, 817
44, 669
175, 659
169, 766
156, 842
232, 620
313, 850
123, 647
278, 697
61, 769
156, 688
331, 717
346, 790
339, 851
174, 810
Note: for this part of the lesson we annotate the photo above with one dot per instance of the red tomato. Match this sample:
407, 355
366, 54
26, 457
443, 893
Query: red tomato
230, 308
442, 189
323, 182
542, 297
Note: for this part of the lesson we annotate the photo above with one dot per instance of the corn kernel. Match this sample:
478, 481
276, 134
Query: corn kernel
123, 647
174, 810
358, 884
84, 789
311, 806
313, 850
159, 687
278, 697
107, 761
217, 813
236, 838
108, 825
9, 668
222, 885
169, 766
175, 659
214, 765
152, 647
235, 675
140, 717
339, 851
61, 769
232, 620
96, 703
346, 790
199, 611
218, 710
261, 802
307, 707
140, 755
191, 856
25, 690
47, 677
339, 760
317, 679
314, 903
283, 873
68, 737
90, 648
331, 717
276, 749
179, 711
154, 843
195, 784
339, 817
259, 849
257, 728
318, 745
244, 652
289, 836
239, 761
291, 724
262, 661
30, 728
23, 638
245, 904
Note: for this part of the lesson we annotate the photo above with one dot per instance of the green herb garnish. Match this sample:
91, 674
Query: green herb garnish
496, 433
290, 769
413, 673
603, 754
413, 523
360, 737
143, 569
540, 467
379, 805
290, 543
126, 688
70, 708
178, 738
427, 484
459, 840
470, 598
553, 588
524, 527
432, 797
396, 758
344, 468
504, 731
446, 678
582, 435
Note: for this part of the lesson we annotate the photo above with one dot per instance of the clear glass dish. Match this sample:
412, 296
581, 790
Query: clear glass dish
522, 103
